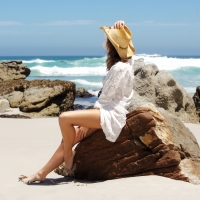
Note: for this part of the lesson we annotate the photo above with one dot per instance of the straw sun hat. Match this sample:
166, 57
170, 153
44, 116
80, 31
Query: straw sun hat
121, 40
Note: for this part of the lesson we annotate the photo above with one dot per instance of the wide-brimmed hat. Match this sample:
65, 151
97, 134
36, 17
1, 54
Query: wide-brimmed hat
121, 40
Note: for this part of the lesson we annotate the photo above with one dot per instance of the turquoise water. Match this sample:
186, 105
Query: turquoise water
88, 71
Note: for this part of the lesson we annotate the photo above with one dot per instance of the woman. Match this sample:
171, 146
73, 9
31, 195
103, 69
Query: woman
110, 109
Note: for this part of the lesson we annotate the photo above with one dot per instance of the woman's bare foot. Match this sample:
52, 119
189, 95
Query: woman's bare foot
35, 177
69, 161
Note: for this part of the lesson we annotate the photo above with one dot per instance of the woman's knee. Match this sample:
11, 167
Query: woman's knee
63, 117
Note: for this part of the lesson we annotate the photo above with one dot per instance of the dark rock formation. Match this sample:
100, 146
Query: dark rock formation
13, 70
161, 89
196, 99
39, 98
151, 143
79, 107
82, 93
14, 116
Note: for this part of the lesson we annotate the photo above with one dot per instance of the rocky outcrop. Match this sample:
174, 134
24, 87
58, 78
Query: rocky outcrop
35, 98
17, 116
196, 99
6, 111
39, 98
4, 104
161, 89
152, 142
13, 70
79, 107
82, 93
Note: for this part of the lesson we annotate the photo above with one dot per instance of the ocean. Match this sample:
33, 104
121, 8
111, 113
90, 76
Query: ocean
88, 71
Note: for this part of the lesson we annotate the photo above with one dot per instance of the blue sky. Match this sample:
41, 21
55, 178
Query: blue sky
62, 27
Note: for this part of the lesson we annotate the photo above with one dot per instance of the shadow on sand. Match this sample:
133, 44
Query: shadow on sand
62, 181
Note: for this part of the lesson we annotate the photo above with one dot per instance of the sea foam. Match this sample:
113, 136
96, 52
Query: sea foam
75, 71
96, 92
84, 82
88, 71
97, 66
168, 63
37, 61
190, 90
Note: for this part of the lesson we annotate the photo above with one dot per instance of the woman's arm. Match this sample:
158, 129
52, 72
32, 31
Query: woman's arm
111, 85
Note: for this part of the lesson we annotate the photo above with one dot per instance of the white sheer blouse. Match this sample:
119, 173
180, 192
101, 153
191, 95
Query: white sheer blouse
115, 97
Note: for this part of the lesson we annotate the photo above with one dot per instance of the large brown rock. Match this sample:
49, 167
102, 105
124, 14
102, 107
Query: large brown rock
160, 88
13, 70
151, 143
39, 98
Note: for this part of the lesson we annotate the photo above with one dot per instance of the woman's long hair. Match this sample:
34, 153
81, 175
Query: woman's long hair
112, 55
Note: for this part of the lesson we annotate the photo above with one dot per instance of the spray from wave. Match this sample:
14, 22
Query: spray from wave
169, 63
97, 66
40, 61
87, 72
78, 71
84, 82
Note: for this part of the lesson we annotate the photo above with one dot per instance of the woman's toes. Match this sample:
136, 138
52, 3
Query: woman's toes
31, 179
22, 177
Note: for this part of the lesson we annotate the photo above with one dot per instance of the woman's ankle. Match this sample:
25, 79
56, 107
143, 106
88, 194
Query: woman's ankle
41, 173
69, 160
69, 154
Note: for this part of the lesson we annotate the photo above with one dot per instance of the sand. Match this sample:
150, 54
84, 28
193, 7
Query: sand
25, 146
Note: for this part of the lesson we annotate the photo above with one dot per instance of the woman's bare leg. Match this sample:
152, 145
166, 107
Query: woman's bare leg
86, 118
58, 157
56, 160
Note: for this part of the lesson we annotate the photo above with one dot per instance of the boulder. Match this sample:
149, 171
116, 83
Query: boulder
39, 98
161, 89
82, 93
152, 142
15, 99
4, 104
196, 99
79, 107
13, 70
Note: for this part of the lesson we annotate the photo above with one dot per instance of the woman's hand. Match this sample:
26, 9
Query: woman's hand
119, 24
82, 132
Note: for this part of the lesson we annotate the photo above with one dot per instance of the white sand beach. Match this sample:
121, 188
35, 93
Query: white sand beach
26, 145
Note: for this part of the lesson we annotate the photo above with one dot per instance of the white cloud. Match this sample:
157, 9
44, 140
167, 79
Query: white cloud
67, 23
153, 23
10, 23
13, 32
